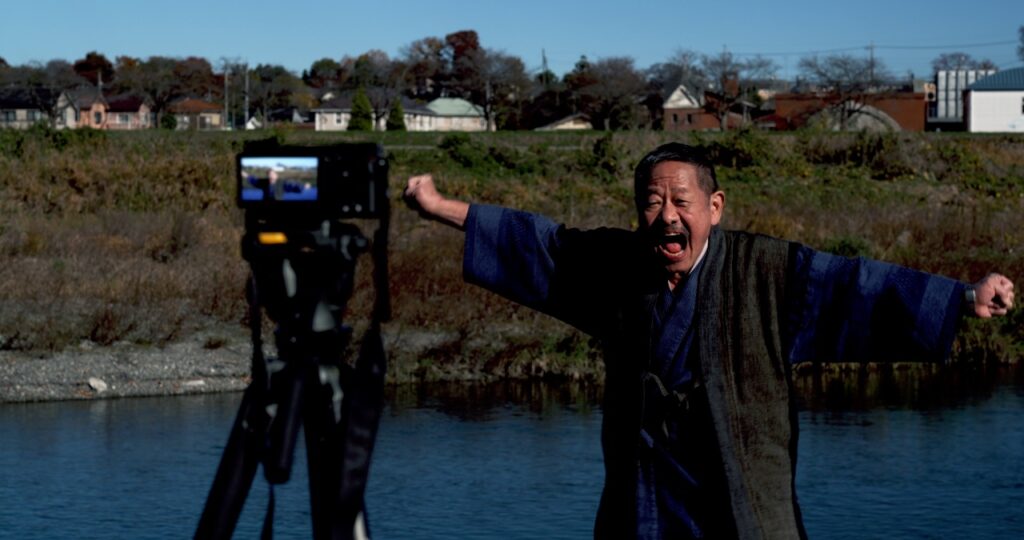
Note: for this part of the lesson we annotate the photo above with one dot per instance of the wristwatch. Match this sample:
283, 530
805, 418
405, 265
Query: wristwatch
970, 298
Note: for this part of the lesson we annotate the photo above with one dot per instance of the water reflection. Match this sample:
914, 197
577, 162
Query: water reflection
887, 453
478, 401
914, 386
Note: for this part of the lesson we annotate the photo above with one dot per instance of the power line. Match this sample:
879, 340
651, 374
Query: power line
891, 47
962, 46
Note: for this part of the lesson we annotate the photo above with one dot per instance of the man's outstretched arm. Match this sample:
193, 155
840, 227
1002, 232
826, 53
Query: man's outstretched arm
422, 195
532, 260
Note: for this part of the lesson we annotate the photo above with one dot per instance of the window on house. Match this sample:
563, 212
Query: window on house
689, 119
123, 119
8, 117
675, 119
1022, 105
337, 118
33, 116
97, 118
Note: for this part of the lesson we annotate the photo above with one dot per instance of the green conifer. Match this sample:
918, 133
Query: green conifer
362, 112
396, 117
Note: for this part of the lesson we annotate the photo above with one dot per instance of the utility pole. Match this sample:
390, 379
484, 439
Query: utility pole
871, 63
246, 116
226, 122
544, 69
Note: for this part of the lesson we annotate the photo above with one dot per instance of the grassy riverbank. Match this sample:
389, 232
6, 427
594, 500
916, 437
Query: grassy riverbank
114, 237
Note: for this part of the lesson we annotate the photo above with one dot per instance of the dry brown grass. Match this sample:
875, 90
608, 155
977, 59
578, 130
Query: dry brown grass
134, 237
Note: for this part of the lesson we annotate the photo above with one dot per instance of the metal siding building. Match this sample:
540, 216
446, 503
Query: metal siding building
995, 104
950, 85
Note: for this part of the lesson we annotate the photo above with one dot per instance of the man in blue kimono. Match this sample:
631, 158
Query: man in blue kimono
700, 328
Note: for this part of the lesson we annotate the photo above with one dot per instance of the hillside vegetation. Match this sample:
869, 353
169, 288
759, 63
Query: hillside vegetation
108, 237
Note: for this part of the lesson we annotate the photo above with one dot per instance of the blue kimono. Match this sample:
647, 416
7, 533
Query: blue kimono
686, 367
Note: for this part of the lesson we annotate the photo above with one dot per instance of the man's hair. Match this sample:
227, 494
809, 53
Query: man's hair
682, 153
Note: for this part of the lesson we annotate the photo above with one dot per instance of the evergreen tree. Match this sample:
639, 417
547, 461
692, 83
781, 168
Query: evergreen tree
362, 112
168, 121
396, 117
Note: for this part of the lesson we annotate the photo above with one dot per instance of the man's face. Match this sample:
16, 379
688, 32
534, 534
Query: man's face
677, 215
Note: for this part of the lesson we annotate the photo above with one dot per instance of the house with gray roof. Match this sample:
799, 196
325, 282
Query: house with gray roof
90, 107
336, 113
23, 107
995, 103
129, 112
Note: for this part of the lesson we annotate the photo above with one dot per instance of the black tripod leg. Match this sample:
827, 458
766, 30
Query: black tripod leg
339, 452
234, 474
323, 448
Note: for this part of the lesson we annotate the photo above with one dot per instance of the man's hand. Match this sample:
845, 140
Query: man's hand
421, 195
993, 296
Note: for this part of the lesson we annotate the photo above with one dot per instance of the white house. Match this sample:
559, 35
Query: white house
442, 114
456, 114
333, 114
23, 107
996, 103
575, 121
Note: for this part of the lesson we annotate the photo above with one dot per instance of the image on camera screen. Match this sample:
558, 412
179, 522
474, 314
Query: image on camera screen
278, 178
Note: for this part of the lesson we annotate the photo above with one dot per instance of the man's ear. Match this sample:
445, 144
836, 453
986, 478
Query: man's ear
717, 206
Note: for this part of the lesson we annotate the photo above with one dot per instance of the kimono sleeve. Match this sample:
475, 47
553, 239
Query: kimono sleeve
531, 260
860, 310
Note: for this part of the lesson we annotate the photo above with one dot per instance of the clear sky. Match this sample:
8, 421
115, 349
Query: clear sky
907, 34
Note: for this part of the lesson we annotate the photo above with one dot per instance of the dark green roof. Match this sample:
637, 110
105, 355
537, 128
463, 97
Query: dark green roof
1010, 79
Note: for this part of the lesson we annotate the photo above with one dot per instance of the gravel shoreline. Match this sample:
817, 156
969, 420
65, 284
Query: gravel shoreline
123, 370
219, 361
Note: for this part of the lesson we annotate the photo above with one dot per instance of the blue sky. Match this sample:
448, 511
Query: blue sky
907, 34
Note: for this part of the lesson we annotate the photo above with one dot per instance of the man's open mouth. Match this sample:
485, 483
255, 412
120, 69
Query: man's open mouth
672, 244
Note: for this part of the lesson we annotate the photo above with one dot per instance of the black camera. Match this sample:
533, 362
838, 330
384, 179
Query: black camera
339, 181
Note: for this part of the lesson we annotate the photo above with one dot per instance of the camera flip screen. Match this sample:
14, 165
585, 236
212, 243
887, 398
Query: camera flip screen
278, 178
288, 183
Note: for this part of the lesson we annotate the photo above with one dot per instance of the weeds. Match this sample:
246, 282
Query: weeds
111, 237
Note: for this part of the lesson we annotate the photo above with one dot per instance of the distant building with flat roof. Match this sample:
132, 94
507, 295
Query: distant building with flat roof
946, 110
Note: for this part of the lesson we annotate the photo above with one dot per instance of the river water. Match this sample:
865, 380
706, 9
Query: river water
940, 460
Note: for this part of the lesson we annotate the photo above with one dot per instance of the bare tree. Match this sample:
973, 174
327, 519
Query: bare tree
381, 78
495, 81
846, 80
731, 80
683, 67
425, 61
154, 79
607, 90
956, 61
1020, 48
272, 87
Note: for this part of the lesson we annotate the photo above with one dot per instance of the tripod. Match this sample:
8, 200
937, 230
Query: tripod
304, 283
